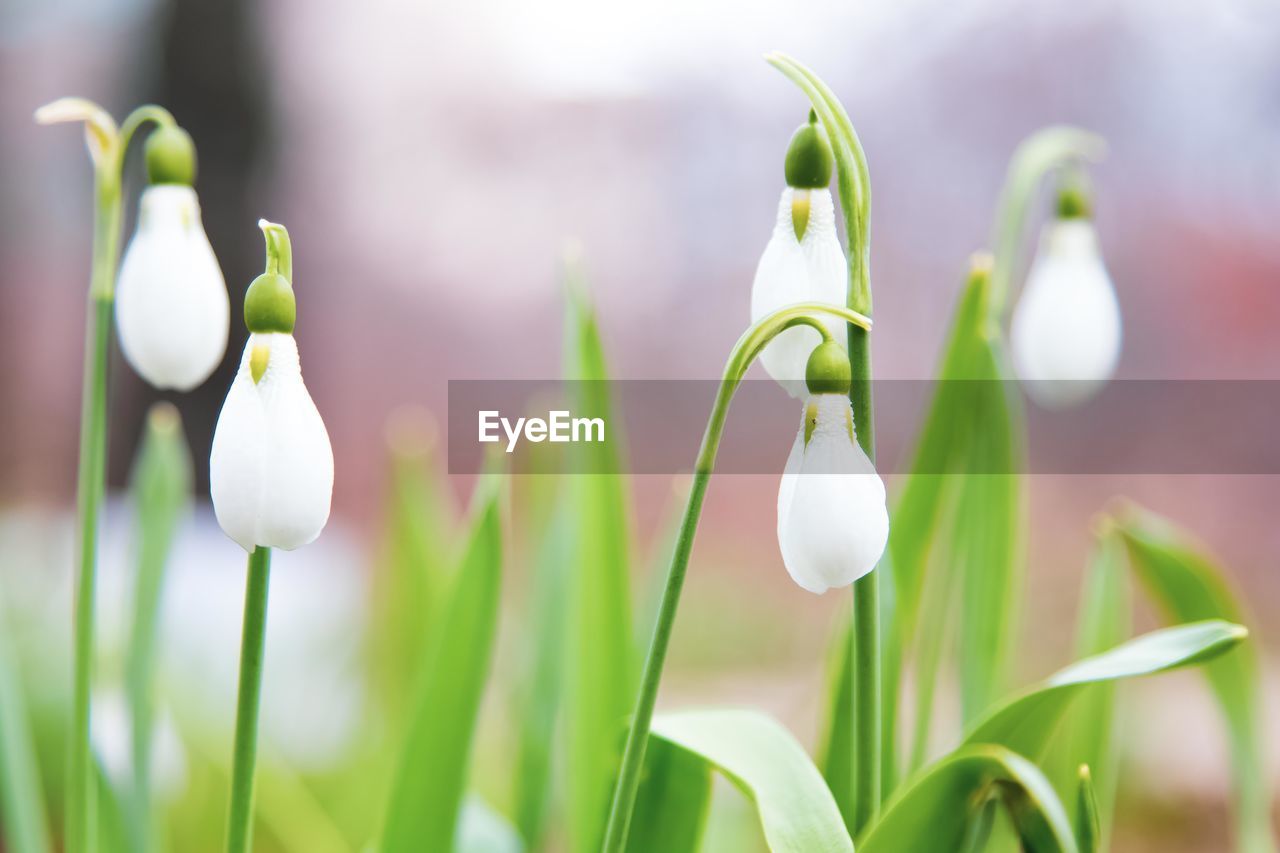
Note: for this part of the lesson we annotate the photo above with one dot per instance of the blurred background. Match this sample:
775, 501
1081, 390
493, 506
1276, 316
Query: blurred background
431, 161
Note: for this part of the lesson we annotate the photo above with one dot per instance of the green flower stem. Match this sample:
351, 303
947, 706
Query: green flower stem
279, 249
107, 146
252, 646
80, 824
744, 352
1045, 151
866, 614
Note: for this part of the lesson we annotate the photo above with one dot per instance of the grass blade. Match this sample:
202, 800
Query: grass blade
161, 494
796, 810
938, 810
1088, 827
427, 796
1187, 585
1026, 722
601, 685
24, 827
541, 701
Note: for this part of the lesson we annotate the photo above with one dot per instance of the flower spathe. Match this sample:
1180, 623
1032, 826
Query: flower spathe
808, 268
1066, 329
271, 467
832, 519
172, 309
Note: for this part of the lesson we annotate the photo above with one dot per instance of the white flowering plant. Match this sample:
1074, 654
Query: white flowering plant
579, 757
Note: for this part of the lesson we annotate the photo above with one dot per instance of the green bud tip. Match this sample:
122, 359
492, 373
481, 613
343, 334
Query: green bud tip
809, 159
269, 305
828, 369
1074, 202
171, 156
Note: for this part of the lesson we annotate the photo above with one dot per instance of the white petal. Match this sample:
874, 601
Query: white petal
1066, 329
271, 467
172, 308
792, 271
832, 519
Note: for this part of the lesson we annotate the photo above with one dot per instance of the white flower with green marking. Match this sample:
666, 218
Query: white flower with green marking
1066, 328
833, 522
803, 261
271, 467
172, 310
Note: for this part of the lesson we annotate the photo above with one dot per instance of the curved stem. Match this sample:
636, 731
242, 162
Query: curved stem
744, 352
1044, 151
139, 117
279, 249
252, 648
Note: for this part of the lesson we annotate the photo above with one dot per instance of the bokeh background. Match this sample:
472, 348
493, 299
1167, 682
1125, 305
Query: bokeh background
432, 160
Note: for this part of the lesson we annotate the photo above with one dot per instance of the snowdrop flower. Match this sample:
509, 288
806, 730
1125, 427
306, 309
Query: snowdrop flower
172, 309
832, 519
803, 261
1067, 329
271, 467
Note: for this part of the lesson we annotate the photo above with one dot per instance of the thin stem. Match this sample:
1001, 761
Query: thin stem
866, 614
139, 117
252, 645
744, 352
91, 485
279, 249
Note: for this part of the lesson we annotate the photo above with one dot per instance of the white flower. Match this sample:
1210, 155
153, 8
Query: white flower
271, 467
1066, 328
791, 270
171, 301
832, 520
112, 728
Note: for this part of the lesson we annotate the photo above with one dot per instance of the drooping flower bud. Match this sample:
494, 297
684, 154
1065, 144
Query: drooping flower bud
271, 468
1066, 329
172, 310
833, 523
803, 261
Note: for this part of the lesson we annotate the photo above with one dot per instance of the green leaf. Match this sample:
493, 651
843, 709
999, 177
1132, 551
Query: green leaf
161, 492
760, 757
671, 805
1026, 722
24, 826
540, 703
1187, 585
1090, 739
1088, 827
990, 538
427, 795
413, 564
600, 687
939, 809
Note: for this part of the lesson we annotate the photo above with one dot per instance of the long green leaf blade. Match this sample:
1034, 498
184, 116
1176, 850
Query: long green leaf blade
428, 793
1187, 585
938, 810
600, 685
1026, 722
24, 826
671, 805
161, 495
796, 810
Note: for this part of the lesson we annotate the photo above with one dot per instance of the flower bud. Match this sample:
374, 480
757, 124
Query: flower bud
171, 156
269, 305
172, 309
1066, 330
833, 522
